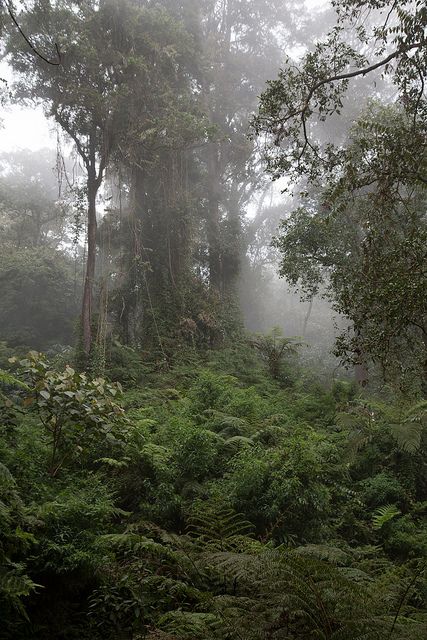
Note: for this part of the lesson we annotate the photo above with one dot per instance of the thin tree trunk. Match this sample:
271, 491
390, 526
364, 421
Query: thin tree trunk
139, 239
307, 317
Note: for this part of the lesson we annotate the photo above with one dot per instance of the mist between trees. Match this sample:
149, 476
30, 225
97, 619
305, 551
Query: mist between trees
156, 101
214, 306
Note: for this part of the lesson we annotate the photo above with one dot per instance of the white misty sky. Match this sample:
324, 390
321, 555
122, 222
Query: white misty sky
27, 128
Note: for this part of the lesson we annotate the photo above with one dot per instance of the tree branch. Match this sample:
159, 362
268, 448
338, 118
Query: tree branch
360, 72
73, 136
30, 44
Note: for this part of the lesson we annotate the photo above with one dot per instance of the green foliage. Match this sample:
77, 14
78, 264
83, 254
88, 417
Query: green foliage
224, 507
76, 411
34, 213
284, 591
315, 89
223, 502
14, 542
410, 431
278, 489
211, 391
124, 364
381, 488
358, 236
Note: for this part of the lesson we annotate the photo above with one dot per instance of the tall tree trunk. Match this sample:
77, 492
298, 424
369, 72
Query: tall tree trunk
213, 218
87, 303
424, 380
361, 375
232, 250
138, 257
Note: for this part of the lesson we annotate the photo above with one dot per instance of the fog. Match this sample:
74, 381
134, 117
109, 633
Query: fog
233, 207
213, 319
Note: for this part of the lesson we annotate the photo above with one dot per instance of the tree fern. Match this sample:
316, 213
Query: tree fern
14, 583
233, 444
334, 555
408, 432
217, 527
284, 594
189, 625
138, 545
225, 421
408, 435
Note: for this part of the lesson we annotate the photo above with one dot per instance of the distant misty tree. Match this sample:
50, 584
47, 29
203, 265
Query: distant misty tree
38, 297
31, 213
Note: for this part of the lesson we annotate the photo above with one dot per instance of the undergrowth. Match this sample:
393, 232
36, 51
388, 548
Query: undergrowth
222, 503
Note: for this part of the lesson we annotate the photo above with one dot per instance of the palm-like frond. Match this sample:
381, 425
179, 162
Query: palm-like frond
218, 527
383, 515
409, 431
10, 380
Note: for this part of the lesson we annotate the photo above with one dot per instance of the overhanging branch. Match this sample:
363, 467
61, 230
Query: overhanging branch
28, 41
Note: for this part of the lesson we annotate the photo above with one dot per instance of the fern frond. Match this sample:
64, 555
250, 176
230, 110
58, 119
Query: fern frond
7, 481
285, 585
224, 423
218, 527
14, 584
189, 625
419, 409
139, 545
408, 435
235, 442
348, 420
383, 515
8, 379
334, 555
409, 432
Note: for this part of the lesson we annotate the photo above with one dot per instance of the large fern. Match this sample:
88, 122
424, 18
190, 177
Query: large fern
281, 594
408, 432
14, 583
217, 527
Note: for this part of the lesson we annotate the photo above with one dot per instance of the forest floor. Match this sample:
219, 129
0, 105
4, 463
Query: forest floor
227, 505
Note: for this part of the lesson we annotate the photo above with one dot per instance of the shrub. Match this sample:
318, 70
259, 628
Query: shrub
78, 413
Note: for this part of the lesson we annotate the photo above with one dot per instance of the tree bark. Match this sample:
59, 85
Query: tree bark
87, 303
424, 381
213, 218
307, 318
